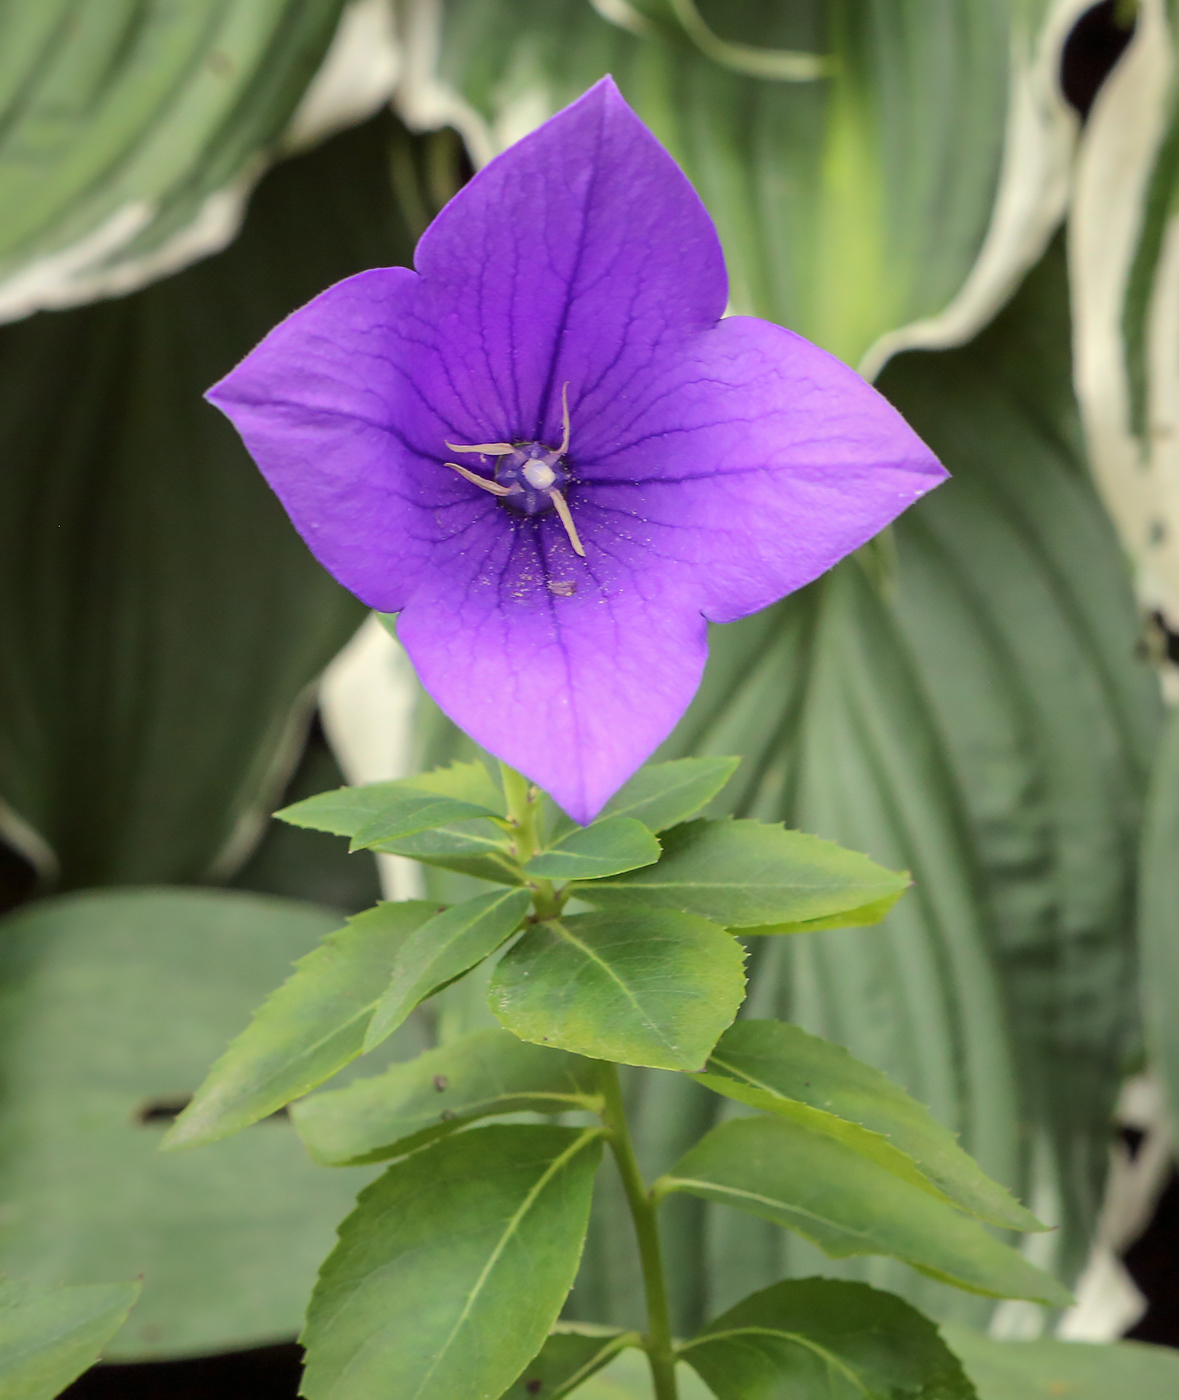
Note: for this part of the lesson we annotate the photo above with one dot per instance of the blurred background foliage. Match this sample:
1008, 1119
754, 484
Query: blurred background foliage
977, 697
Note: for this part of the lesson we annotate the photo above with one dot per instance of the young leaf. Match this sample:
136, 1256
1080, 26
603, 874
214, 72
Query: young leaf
778, 1067
471, 848
820, 1337
747, 874
407, 813
663, 794
573, 1353
1043, 1369
846, 1204
48, 1336
442, 949
487, 1073
454, 1265
607, 847
307, 1030
649, 988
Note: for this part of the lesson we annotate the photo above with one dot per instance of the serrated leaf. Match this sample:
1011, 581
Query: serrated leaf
468, 848
571, 1355
746, 874
307, 1030
49, 1336
453, 1265
664, 794
442, 949
778, 1067
826, 1340
1051, 1370
649, 988
487, 1073
821, 1189
410, 813
608, 847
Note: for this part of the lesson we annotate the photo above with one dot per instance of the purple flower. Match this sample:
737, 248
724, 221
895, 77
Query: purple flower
546, 450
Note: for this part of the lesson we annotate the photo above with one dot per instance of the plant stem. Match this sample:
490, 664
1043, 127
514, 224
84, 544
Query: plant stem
523, 810
657, 1342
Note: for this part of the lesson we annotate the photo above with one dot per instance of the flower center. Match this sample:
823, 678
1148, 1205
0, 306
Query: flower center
531, 472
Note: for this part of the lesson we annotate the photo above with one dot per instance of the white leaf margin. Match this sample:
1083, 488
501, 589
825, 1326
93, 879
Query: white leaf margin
1138, 478
356, 78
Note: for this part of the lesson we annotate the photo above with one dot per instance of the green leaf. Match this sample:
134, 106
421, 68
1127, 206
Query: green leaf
571, 1355
411, 813
49, 1336
468, 848
483, 1074
160, 619
453, 1265
168, 107
840, 1200
648, 988
1160, 884
819, 1338
305, 1031
664, 794
1050, 1370
114, 1004
442, 949
608, 847
751, 875
775, 1066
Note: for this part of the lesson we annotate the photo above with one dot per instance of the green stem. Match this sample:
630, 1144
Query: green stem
523, 812
657, 1342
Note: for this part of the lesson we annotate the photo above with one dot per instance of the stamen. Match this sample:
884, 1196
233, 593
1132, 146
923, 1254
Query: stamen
564, 447
493, 486
567, 520
492, 449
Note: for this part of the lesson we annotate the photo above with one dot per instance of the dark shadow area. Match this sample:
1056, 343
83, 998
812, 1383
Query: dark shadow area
1153, 1263
266, 1373
1091, 50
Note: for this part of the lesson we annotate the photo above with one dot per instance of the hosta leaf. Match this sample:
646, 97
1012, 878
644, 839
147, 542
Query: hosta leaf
478, 1076
434, 1282
48, 1336
835, 1341
114, 1005
1046, 1369
777, 1067
161, 621
751, 875
442, 949
648, 988
608, 847
306, 1030
664, 794
847, 207
570, 1356
846, 1204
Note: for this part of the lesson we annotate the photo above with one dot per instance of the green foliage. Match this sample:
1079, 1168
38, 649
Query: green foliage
646, 988
847, 1204
570, 1356
664, 794
113, 1006
818, 1338
607, 847
1160, 900
453, 1267
775, 1066
478, 1076
307, 1030
160, 619
145, 109
443, 948
48, 1336
752, 877
378, 812
1045, 1370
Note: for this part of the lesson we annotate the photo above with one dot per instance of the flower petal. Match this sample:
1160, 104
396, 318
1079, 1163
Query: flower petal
334, 407
745, 464
570, 258
573, 689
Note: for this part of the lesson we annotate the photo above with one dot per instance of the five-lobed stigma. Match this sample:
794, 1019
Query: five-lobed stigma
529, 477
